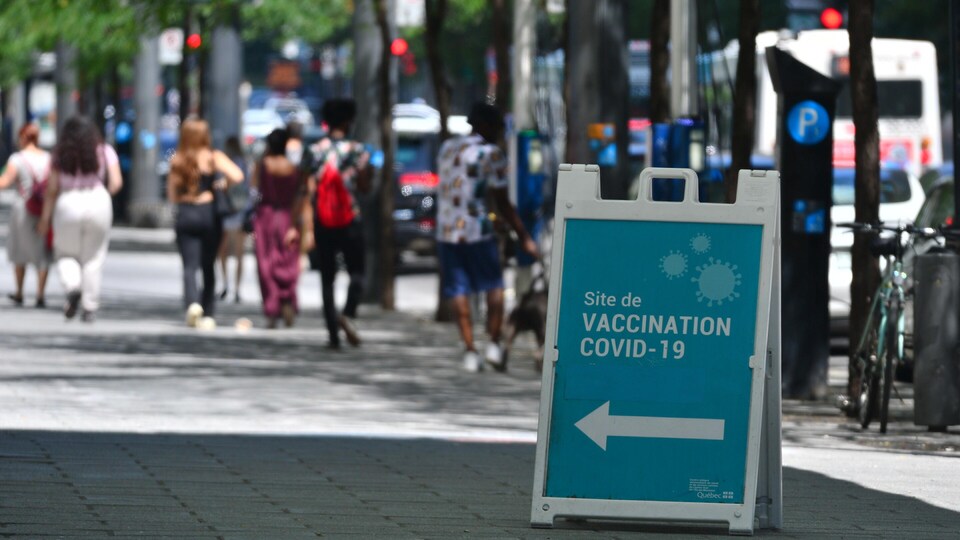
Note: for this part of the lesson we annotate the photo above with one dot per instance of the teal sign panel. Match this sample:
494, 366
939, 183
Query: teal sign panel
652, 386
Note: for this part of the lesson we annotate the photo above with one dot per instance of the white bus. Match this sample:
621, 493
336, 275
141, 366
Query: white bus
907, 94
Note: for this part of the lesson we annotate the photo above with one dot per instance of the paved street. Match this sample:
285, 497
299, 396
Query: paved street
136, 426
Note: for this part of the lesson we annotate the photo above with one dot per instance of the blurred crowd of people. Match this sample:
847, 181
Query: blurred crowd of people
299, 202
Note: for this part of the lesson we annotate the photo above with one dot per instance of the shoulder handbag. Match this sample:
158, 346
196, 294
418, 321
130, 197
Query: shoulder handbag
34, 203
222, 204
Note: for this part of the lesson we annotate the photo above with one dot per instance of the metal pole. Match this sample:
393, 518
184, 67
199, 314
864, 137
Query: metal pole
145, 201
683, 58
583, 107
66, 80
226, 74
524, 48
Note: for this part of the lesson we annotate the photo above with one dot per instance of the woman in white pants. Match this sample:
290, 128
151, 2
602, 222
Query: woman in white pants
85, 173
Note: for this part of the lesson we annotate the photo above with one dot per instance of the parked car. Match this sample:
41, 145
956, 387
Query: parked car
901, 197
417, 128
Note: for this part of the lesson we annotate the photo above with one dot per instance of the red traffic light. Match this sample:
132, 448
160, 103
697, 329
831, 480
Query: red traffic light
399, 47
194, 41
831, 18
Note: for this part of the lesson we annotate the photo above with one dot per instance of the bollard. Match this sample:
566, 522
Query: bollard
936, 377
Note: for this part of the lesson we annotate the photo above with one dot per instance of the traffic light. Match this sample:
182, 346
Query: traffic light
815, 14
194, 41
399, 47
831, 18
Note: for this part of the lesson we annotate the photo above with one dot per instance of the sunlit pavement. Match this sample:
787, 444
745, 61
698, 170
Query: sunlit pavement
138, 426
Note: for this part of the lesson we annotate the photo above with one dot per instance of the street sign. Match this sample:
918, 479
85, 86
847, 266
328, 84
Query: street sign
171, 46
808, 122
662, 318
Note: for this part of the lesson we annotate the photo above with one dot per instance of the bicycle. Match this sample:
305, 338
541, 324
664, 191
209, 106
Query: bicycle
880, 348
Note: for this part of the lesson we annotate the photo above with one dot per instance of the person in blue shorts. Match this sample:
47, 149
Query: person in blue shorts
473, 168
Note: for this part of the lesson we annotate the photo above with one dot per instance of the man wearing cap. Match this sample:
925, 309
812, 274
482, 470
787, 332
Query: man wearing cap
473, 168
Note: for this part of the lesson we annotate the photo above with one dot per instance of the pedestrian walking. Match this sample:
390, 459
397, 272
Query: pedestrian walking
342, 171
472, 168
279, 229
84, 175
28, 169
196, 172
234, 237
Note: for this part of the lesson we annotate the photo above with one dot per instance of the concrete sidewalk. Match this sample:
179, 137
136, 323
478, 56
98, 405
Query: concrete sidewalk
137, 427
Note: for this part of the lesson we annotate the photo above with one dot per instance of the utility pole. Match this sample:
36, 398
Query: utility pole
599, 86
524, 48
65, 77
683, 58
145, 201
226, 74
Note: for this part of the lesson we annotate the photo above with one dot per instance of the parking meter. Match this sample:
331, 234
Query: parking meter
805, 136
531, 175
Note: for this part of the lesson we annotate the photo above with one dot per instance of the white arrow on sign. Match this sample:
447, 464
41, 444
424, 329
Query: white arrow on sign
599, 425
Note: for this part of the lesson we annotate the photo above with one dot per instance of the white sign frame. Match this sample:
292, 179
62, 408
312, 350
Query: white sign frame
757, 203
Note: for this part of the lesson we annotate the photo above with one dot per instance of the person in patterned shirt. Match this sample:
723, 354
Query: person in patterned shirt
473, 169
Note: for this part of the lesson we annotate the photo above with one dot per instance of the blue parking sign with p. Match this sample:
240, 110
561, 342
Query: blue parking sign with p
808, 122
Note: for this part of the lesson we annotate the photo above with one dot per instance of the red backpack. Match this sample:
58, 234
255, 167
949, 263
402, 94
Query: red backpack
334, 202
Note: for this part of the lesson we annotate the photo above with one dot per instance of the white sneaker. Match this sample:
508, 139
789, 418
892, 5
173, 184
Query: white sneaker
472, 362
206, 323
194, 313
494, 356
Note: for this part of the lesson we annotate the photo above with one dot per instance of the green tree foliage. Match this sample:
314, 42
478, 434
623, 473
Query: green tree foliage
313, 21
465, 38
106, 33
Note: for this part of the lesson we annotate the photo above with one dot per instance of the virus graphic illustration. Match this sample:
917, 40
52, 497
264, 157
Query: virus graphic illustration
717, 282
673, 264
700, 243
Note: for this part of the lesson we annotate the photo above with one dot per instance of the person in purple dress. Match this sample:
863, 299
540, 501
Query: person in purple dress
279, 229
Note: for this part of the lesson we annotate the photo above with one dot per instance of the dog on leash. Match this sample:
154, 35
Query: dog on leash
530, 314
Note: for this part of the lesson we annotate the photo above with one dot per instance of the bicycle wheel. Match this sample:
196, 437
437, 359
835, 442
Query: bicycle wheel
891, 357
869, 394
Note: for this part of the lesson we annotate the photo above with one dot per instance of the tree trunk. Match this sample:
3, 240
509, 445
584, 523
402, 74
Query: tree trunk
659, 62
501, 48
387, 255
436, 12
745, 95
863, 92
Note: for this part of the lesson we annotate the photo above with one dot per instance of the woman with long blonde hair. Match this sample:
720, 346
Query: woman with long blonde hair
195, 172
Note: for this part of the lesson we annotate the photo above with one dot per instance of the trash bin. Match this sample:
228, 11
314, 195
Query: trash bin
936, 376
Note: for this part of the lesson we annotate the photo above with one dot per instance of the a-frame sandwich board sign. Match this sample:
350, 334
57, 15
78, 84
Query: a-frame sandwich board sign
661, 385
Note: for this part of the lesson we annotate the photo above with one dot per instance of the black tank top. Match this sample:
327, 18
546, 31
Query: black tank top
206, 182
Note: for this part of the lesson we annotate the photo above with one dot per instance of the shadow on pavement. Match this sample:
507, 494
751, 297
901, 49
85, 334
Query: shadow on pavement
205, 486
